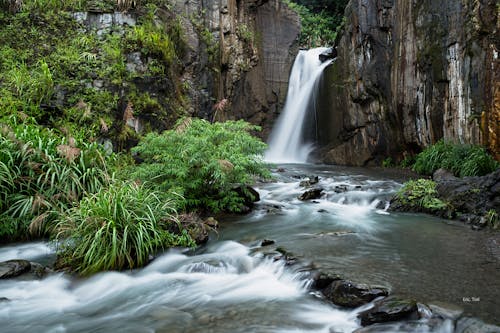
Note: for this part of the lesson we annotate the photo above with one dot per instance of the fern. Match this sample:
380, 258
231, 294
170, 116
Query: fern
206, 160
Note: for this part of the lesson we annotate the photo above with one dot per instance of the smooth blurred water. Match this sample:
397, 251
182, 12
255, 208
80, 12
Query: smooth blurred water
230, 286
287, 143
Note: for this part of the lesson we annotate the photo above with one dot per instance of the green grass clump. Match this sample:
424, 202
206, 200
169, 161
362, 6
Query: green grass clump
118, 228
462, 160
420, 193
42, 174
204, 161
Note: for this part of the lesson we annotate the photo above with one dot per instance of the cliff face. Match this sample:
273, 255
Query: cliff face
408, 73
240, 56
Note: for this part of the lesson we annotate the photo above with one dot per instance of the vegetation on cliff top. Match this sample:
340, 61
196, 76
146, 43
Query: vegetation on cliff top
321, 20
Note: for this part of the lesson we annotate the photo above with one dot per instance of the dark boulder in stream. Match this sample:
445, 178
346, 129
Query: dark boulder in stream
389, 309
13, 268
311, 194
349, 294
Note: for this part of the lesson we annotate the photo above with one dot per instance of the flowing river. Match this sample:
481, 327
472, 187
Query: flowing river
230, 285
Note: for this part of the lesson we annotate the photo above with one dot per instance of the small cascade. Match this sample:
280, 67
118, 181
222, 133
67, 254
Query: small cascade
287, 143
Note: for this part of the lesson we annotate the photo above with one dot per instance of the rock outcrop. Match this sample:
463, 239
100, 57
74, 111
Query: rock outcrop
240, 57
409, 73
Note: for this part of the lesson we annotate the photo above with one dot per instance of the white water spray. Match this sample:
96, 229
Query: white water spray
286, 144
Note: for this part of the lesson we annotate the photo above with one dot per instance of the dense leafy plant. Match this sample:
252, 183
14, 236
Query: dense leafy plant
118, 228
203, 161
320, 22
462, 160
42, 174
72, 78
421, 193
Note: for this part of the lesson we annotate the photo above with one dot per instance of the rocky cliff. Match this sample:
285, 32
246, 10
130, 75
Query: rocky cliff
408, 73
240, 56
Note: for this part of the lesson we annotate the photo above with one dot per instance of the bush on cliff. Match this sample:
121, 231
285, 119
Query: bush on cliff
205, 162
462, 160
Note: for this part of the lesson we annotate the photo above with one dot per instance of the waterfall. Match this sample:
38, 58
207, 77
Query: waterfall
287, 143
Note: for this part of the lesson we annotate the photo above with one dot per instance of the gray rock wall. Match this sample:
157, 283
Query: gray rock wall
255, 43
408, 73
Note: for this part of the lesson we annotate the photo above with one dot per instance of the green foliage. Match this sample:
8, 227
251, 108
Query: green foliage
462, 160
493, 219
420, 193
68, 77
203, 161
319, 25
42, 174
388, 162
408, 161
118, 228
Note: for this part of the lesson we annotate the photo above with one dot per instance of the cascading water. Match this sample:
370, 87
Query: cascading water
287, 144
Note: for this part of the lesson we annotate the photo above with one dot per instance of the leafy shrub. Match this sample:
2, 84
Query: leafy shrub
462, 160
317, 28
204, 161
420, 193
118, 228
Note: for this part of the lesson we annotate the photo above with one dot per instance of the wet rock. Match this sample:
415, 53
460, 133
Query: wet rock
389, 309
431, 325
474, 197
309, 181
39, 271
442, 175
336, 233
4, 299
321, 280
340, 189
330, 53
322, 211
280, 170
272, 209
474, 325
314, 193
267, 242
445, 310
289, 258
13, 268
249, 195
349, 294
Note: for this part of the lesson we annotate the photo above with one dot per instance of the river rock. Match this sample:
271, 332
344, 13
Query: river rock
340, 189
314, 193
267, 242
330, 53
39, 271
13, 268
445, 310
474, 325
321, 280
443, 175
389, 309
4, 299
249, 195
349, 294
309, 181
412, 326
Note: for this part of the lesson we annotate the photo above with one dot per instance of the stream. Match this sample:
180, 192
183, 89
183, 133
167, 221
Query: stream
230, 285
